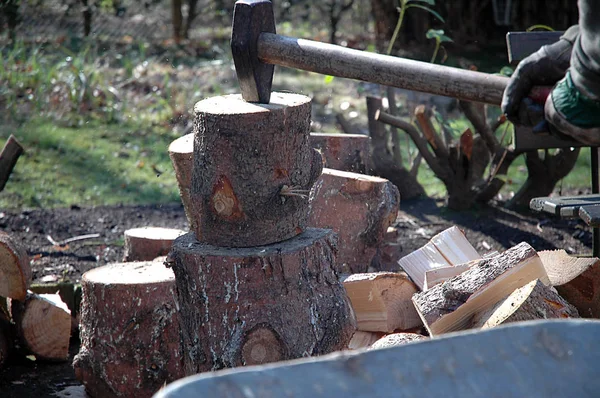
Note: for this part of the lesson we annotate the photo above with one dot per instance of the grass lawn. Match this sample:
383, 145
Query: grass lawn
90, 165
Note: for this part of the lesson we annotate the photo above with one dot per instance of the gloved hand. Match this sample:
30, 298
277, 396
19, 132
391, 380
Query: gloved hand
542, 68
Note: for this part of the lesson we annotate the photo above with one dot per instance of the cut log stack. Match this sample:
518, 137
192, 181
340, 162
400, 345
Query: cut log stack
40, 323
254, 283
359, 208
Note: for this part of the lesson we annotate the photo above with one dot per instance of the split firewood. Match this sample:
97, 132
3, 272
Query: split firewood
181, 152
373, 203
576, 279
15, 272
454, 246
346, 152
395, 339
148, 243
5, 337
130, 337
382, 301
530, 302
438, 275
448, 248
361, 339
43, 323
450, 306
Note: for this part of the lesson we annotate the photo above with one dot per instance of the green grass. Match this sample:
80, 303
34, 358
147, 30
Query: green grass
90, 165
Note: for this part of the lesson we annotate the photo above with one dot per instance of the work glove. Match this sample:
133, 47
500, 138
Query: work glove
542, 68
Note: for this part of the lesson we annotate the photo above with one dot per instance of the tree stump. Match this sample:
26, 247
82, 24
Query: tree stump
181, 152
346, 152
130, 343
148, 243
15, 272
43, 324
359, 208
253, 170
246, 306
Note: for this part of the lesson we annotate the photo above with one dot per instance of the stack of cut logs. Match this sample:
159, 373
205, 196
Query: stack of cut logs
447, 286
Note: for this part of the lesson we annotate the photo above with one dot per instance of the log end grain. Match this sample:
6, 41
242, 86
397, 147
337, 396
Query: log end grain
148, 243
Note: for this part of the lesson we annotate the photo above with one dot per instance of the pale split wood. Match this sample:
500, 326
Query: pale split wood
382, 301
396, 339
43, 323
420, 261
362, 339
532, 301
454, 246
436, 276
15, 271
450, 306
576, 279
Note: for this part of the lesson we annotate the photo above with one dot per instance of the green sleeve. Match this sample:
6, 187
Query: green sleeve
585, 59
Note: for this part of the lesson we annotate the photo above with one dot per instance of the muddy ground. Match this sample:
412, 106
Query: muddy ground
488, 228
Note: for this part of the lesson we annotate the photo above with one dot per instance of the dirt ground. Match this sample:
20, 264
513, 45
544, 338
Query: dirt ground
488, 228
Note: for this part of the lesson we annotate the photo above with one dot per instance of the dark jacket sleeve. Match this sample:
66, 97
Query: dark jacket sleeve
585, 59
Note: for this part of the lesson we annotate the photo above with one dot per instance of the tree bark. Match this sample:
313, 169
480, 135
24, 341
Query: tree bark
181, 152
8, 159
530, 302
346, 152
373, 203
15, 271
246, 306
253, 170
177, 19
130, 341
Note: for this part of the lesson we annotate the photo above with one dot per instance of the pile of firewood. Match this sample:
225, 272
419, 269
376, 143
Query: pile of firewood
447, 286
30, 323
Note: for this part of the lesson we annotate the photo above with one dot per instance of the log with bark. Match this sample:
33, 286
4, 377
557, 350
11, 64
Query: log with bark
246, 306
15, 271
359, 208
451, 305
8, 159
148, 243
382, 301
576, 279
181, 152
253, 170
130, 337
346, 152
530, 302
43, 324
6, 337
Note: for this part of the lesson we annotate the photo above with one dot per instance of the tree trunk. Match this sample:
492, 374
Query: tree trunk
192, 14
87, 17
177, 19
345, 152
253, 170
130, 338
8, 159
385, 16
383, 159
543, 174
247, 306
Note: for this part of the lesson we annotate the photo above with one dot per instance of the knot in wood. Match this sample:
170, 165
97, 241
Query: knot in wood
262, 346
223, 204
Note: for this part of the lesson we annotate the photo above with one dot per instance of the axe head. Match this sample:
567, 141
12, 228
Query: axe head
250, 19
